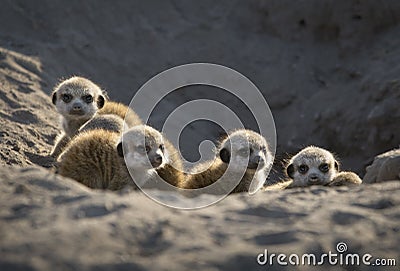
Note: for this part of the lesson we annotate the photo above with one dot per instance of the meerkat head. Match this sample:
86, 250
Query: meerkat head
78, 98
311, 166
143, 148
245, 149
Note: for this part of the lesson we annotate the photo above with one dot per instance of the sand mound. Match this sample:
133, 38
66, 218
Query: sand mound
28, 121
48, 221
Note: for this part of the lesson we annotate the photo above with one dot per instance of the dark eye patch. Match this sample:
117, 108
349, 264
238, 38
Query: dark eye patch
142, 149
264, 150
66, 98
303, 169
161, 147
87, 99
324, 167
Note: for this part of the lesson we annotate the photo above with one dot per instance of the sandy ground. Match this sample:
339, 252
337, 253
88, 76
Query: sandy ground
49, 222
330, 73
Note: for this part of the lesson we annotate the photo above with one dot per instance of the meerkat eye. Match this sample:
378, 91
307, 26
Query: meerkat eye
87, 99
324, 167
142, 149
243, 152
147, 148
161, 147
264, 150
66, 98
303, 169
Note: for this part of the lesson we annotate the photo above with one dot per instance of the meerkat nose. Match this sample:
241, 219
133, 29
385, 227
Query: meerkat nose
76, 106
313, 177
259, 160
156, 161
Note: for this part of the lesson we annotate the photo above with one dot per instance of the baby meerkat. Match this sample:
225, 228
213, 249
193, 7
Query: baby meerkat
312, 166
317, 166
77, 99
242, 157
95, 158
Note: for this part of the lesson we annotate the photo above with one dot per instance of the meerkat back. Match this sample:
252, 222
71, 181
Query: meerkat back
91, 159
123, 111
108, 122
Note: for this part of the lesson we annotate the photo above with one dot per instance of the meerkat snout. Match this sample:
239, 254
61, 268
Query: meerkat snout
256, 161
156, 160
76, 108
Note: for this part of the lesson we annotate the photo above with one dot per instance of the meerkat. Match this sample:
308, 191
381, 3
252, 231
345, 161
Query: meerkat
312, 166
77, 100
104, 159
244, 155
316, 166
172, 172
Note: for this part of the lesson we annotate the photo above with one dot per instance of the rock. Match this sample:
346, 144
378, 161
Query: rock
385, 167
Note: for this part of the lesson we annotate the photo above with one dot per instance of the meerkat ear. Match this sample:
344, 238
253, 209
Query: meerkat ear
225, 155
54, 97
290, 171
119, 149
336, 164
100, 101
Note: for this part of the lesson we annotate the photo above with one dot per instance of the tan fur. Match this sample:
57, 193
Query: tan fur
209, 172
172, 172
345, 178
77, 88
279, 186
91, 158
121, 110
106, 122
